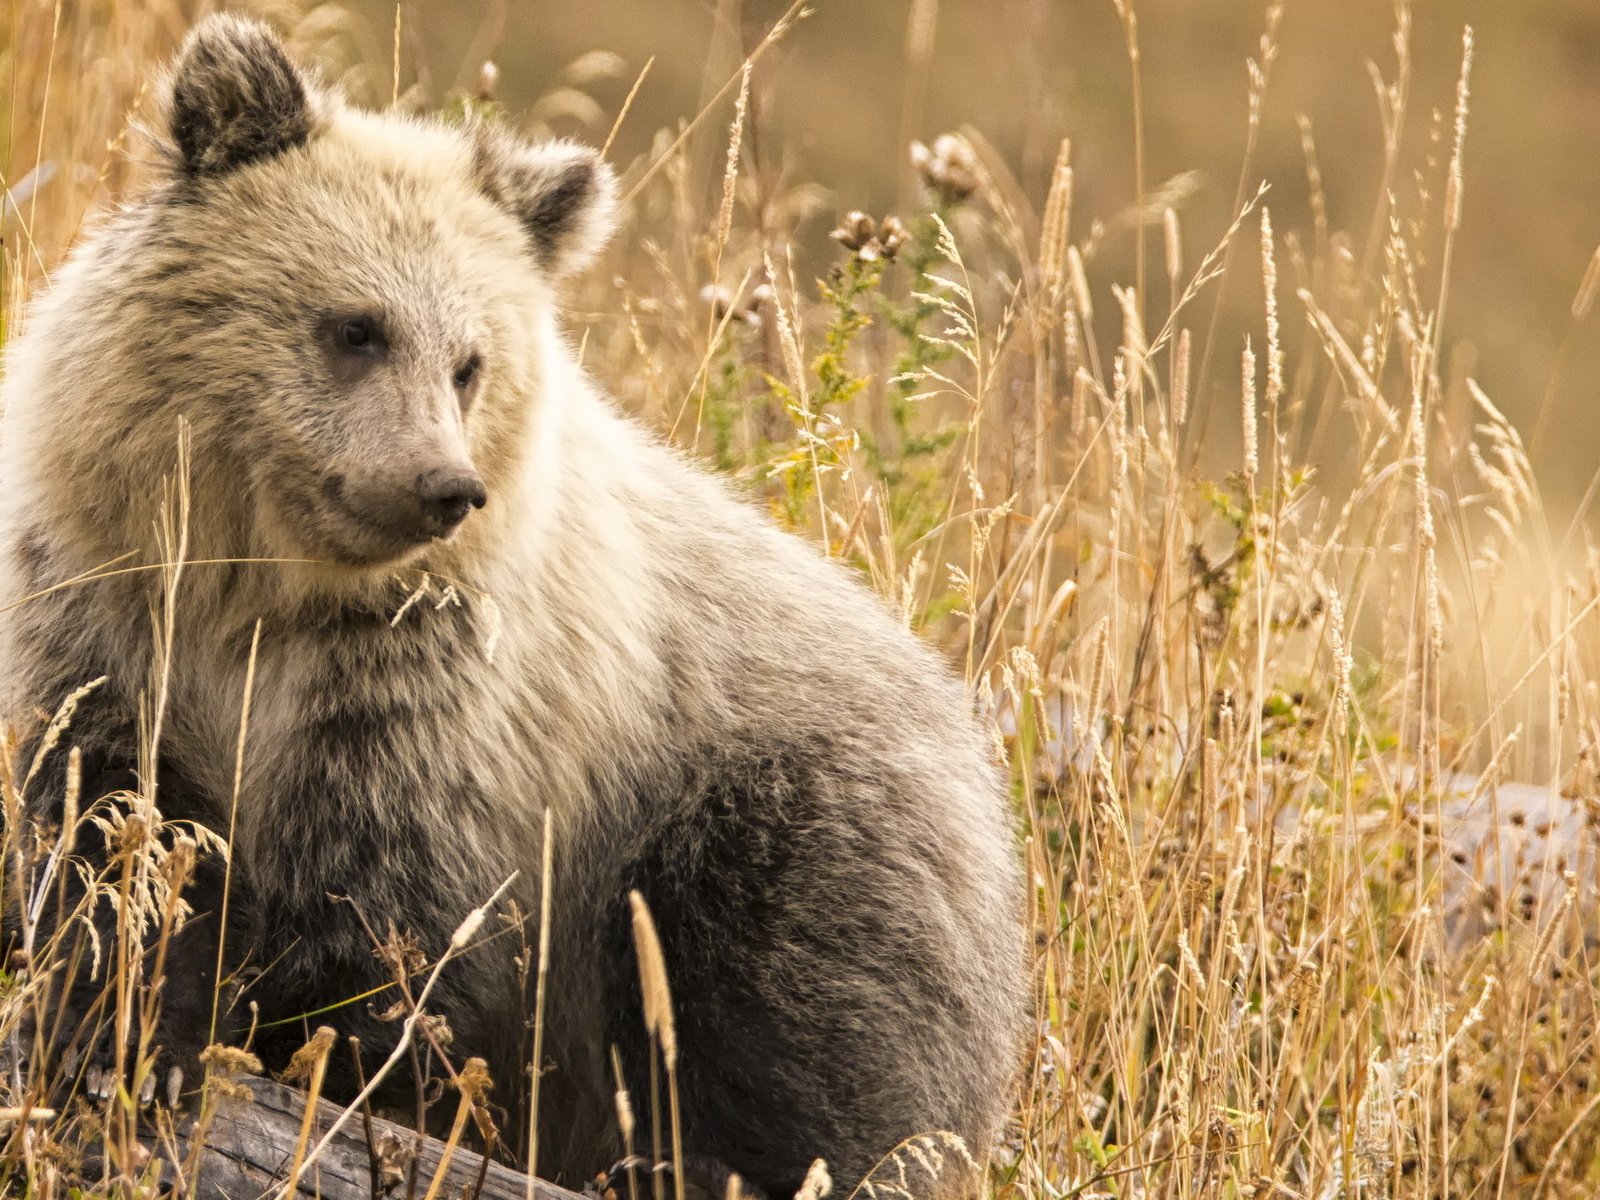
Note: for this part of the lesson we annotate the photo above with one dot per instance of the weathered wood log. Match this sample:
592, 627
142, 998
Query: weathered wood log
250, 1144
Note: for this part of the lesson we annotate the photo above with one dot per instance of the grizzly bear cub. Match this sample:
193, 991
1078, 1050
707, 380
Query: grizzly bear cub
353, 318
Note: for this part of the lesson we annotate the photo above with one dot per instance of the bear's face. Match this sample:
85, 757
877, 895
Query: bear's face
366, 295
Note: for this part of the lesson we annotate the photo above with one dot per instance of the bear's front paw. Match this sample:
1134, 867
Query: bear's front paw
101, 1082
70, 1049
65, 1070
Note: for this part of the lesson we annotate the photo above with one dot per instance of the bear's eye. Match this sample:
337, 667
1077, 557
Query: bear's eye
467, 372
357, 334
356, 343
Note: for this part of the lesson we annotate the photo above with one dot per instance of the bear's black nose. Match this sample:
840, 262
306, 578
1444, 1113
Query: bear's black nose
445, 496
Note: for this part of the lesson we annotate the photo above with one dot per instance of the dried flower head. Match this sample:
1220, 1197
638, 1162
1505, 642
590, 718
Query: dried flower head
401, 953
949, 168
311, 1057
488, 81
474, 1082
394, 1158
230, 1061
870, 240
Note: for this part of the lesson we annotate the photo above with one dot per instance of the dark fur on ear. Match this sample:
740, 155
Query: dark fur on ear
236, 97
563, 193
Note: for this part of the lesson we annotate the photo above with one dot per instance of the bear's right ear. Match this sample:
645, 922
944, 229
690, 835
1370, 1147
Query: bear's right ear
235, 97
563, 194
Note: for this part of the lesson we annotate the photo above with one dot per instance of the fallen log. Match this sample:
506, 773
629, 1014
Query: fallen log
249, 1146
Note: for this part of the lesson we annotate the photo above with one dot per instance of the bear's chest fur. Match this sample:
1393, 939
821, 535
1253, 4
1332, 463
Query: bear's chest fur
380, 760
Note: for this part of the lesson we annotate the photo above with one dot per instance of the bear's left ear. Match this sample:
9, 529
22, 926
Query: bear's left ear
235, 97
564, 195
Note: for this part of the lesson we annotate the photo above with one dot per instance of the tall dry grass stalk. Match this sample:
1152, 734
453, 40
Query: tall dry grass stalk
536, 1067
659, 1020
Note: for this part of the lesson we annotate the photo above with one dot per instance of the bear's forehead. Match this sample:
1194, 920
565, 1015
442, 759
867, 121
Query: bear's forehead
369, 188
423, 151
412, 173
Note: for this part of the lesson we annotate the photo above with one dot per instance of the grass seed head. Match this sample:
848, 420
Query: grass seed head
653, 984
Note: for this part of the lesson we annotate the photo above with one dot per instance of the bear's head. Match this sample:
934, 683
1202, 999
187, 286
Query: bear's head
353, 311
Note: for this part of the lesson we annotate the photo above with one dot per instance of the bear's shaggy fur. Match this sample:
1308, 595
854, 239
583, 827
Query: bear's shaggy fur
343, 307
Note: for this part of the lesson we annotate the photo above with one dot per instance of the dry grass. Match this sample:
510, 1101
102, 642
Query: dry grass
1293, 938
